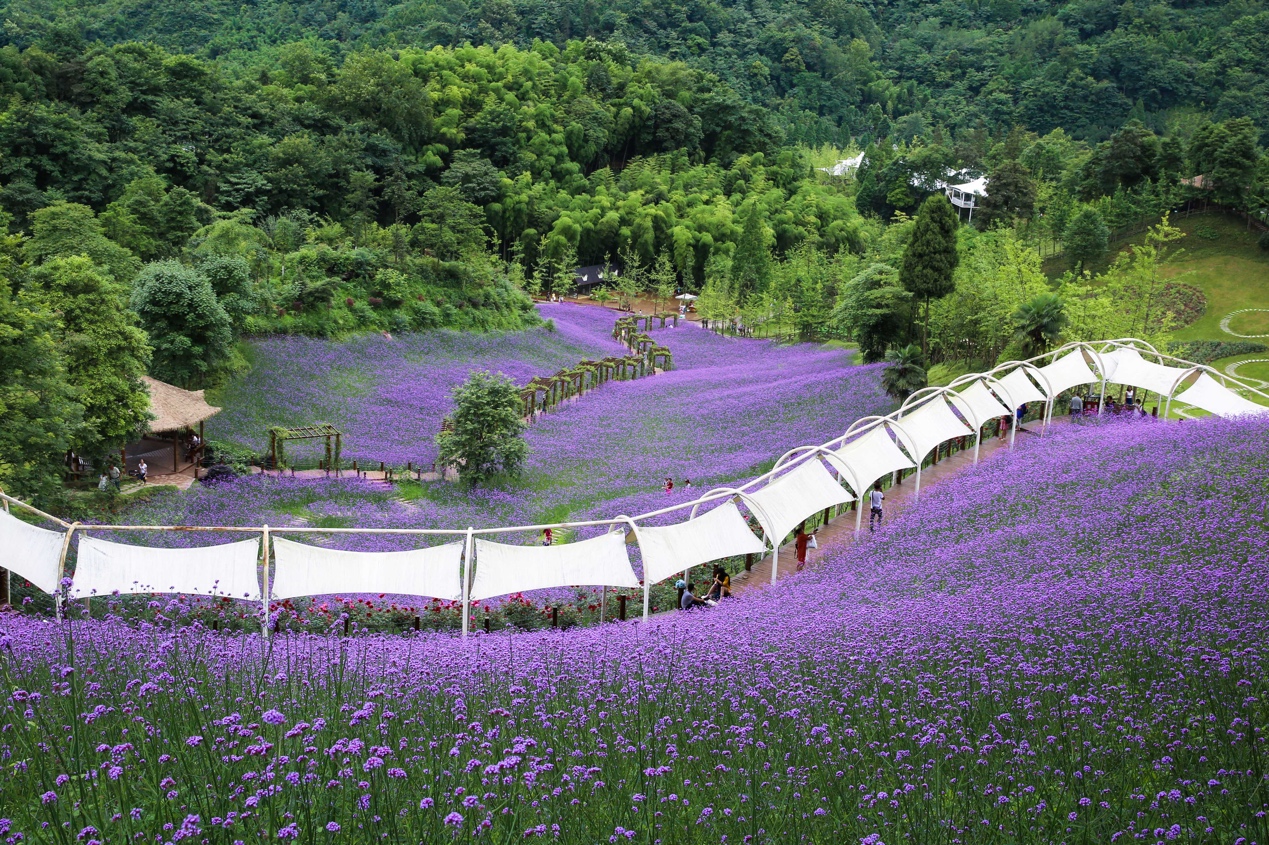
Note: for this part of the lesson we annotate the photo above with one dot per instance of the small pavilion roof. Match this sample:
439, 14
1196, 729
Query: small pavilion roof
174, 408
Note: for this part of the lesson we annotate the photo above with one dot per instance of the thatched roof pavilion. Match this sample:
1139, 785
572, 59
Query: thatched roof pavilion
175, 409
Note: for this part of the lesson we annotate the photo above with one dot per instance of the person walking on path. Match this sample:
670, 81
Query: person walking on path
669, 486
1077, 405
143, 470
874, 500
114, 477
1022, 412
800, 544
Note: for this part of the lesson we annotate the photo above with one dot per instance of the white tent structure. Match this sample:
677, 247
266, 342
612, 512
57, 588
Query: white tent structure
227, 570
306, 570
503, 569
1071, 370
1216, 399
34, 553
1021, 388
1125, 366
867, 460
791, 498
719, 533
933, 424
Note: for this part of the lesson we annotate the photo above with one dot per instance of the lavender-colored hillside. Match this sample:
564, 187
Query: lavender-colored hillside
728, 409
1064, 644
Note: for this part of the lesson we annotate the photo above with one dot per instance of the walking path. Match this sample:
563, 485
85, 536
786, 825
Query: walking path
840, 532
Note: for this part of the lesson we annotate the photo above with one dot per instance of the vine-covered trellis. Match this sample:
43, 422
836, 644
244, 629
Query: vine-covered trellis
279, 435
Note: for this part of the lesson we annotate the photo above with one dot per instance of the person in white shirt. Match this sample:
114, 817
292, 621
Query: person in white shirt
143, 470
875, 498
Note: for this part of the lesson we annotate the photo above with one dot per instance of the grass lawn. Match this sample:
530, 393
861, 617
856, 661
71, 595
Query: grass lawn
1230, 270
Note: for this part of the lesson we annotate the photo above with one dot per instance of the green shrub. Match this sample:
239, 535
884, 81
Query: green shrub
1207, 351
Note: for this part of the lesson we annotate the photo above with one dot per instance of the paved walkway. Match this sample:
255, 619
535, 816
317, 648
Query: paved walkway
840, 532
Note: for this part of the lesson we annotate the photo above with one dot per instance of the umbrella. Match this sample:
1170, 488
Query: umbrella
686, 297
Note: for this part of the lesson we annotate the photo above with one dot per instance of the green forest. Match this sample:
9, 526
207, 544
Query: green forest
176, 176
831, 69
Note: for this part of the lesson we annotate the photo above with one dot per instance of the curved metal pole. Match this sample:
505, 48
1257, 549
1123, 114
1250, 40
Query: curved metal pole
264, 572
468, 548
61, 569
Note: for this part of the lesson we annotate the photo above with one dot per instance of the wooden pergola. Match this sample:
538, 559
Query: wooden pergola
278, 437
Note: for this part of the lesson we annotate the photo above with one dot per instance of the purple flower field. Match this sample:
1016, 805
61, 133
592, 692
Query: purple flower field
727, 411
1064, 644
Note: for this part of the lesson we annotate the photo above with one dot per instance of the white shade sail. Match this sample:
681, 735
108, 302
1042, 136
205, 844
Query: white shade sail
1068, 371
794, 496
30, 551
1127, 367
228, 570
503, 569
1022, 389
873, 456
1212, 397
304, 570
931, 424
985, 405
720, 533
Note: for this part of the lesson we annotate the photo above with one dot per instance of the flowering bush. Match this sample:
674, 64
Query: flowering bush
1064, 644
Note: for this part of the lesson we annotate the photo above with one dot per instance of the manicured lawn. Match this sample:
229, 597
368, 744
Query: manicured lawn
1230, 270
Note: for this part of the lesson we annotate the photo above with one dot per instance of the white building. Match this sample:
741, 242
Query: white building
967, 195
845, 166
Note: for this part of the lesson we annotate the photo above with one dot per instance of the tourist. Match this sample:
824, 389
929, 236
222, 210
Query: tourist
1154, 412
687, 484
1130, 396
1077, 405
689, 600
547, 536
720, 587
669, 486
1022, 412
114, 476
800, 544
874, 499
143, 470
103, 483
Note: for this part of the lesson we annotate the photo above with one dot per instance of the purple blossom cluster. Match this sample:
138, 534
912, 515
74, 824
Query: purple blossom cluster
1063, 644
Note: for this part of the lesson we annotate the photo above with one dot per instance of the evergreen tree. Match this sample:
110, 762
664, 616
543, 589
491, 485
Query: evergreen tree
751, 262
190, 331
104, 351
929, 262
487, 436
37, 403
1011, 194
1086, 238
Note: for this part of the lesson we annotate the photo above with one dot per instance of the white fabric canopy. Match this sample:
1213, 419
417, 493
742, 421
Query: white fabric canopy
227, 570
985, 405
30, 551
503, 569
873, 456
931, 424
1068, 371
796, 495
304, 570
720, 533
1022, 389
1127, 367
1208, 394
